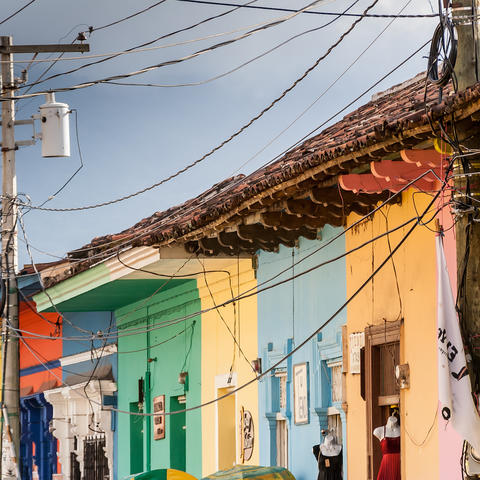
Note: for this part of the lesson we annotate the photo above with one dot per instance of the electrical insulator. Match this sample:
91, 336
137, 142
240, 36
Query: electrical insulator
54, 121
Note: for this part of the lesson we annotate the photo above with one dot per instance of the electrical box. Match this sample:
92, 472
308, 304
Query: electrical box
55, 127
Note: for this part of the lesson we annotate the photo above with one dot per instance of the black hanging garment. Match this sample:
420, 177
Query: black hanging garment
329, 468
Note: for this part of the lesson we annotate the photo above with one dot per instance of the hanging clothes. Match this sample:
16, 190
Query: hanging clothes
329, 467
390, 466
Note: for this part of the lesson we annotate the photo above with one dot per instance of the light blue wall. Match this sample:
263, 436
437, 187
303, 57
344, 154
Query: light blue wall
287, 314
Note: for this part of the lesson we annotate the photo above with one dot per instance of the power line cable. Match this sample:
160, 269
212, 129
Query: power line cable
146, 49
277, 9
252, 291
271, 161
309, 134
302, 259
42, 286
51, 197
150, 42
243, 179
244, 64
157, 344
17, 12
166, 63
325, 91
156, 326
240, 180
116, 22
229, 139
306, 340
343, 232
102, 254
235, 341
240, 296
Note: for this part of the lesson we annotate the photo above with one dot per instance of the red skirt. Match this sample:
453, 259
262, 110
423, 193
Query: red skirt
390, 467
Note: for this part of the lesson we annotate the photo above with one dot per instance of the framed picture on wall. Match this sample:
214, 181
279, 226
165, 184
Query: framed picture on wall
300, 394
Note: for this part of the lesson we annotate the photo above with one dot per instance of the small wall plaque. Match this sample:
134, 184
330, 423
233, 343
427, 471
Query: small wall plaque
300, 394
159, 417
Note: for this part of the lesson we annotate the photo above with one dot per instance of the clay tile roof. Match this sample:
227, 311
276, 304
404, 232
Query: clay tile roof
391, 117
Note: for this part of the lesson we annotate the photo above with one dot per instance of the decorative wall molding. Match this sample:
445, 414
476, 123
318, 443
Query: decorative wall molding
78, 412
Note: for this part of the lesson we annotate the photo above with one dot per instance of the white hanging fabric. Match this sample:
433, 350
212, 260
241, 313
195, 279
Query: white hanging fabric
453, 379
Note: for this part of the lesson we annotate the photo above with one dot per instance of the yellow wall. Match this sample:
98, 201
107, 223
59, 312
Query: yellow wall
218, 350
415, 264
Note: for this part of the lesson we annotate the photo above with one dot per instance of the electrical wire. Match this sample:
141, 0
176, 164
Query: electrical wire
324, 92
422, 443
343, 232
157, 344
157, 66
17, 12
92, 374
277, 9
235, 341
264, 26
243, 295
400, 303
242, 179
234, 135
244, 64
278, 156
42, 286
313, 131
146, 49
157, 326
116, 22
305, 341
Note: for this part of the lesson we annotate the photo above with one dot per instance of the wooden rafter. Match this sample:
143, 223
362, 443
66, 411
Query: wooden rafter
290, 222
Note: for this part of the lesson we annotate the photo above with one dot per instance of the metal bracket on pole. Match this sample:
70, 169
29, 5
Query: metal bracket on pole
24, 143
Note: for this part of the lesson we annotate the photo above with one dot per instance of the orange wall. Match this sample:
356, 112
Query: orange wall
46, 349
415, 263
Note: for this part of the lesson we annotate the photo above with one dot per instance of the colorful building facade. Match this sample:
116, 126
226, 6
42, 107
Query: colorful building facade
395, 317
187, 346
38, 447
230, 426
175, 352
287, 315
160, 371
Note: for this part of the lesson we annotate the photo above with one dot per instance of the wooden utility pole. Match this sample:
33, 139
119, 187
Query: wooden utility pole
467, 188
10, 354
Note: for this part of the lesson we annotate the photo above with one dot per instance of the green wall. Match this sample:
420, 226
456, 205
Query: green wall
179, 300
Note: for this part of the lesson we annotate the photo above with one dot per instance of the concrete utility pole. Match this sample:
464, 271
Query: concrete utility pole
10, 354
11, 395
467, 182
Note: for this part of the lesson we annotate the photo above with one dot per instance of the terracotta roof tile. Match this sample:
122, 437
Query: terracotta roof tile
385, 117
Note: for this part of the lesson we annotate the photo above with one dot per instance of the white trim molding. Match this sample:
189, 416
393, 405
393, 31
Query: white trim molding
85, 356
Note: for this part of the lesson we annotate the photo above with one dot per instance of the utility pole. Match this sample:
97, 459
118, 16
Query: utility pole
10, 355
11, 395
467, 188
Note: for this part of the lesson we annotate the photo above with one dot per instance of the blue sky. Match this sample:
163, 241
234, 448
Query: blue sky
132, 137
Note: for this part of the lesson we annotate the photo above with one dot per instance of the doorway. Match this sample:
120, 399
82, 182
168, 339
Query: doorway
136, 440
382, 354
226, 433
94, 459
178, 434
